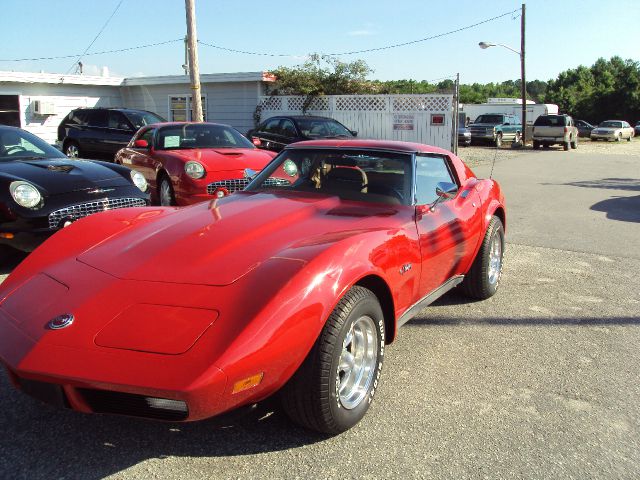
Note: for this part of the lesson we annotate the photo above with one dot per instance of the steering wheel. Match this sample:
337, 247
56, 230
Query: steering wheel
14, 149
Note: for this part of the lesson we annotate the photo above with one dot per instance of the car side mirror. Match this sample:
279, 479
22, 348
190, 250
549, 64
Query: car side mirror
354, 133
444, 191
141, 144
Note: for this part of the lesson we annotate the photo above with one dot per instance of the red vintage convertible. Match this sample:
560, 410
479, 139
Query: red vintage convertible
186, 163
291, 287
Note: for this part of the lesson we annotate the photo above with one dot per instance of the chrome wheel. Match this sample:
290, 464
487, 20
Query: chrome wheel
495, 260
72, 151
357, 362
166, 193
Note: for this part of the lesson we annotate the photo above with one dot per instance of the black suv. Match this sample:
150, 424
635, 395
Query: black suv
101, 132
277, 132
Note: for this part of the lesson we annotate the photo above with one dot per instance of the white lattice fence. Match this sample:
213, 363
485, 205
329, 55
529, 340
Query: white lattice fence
415, 118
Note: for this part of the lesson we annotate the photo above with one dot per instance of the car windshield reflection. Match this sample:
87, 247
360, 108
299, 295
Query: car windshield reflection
362, 175
201, 135
17, 144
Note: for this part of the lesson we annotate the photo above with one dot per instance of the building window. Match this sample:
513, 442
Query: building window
181, 108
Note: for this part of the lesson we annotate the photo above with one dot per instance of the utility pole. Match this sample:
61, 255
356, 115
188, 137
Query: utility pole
523, 79
456, 108
194, 69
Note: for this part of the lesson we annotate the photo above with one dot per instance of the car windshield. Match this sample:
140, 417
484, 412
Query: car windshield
140, 119
362, 175
611, 124
491, 119
200, 135
550, 121
16, 144
322, 128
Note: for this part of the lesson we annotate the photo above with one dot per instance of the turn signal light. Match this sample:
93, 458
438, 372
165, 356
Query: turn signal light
247, 383
6, 235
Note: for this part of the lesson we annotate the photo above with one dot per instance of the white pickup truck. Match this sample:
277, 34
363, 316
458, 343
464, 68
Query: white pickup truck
555, 129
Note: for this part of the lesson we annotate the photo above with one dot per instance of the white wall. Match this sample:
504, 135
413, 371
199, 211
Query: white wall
64, 97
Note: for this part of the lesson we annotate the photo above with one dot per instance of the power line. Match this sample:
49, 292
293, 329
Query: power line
96, 37
94, 53
353, 52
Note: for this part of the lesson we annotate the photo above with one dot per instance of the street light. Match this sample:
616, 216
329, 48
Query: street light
523, 87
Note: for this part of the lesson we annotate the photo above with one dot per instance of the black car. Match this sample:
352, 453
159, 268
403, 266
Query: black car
42, 191
277, 132
101, 132
637, 128
584, 128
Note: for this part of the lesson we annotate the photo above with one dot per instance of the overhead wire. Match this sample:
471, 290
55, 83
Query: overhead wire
96, 37
353, 52
117, 50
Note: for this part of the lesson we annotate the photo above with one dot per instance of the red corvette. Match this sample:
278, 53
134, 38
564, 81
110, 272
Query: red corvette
186, 163
291, 287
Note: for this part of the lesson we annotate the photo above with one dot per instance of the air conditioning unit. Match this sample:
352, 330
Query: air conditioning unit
40, 107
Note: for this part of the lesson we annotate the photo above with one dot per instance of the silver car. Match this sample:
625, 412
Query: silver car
612, 130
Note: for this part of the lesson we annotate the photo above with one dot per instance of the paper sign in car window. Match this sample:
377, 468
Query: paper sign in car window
172, 141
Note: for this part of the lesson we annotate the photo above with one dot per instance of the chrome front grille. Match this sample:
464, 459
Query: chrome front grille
236, 184
74, 212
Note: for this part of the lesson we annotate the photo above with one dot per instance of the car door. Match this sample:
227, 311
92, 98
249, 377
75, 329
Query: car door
118, 132
141, 159
95, 131
449, 232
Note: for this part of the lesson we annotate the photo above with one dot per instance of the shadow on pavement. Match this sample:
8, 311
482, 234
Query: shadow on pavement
40, 441
632, 184
625, 209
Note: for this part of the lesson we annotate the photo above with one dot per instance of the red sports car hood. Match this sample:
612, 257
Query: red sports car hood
224, 159
217, 243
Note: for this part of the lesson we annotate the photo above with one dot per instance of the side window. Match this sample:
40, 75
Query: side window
430, 171
118, 120
288, 129
272, 126
97, 118
146, 135
78, 117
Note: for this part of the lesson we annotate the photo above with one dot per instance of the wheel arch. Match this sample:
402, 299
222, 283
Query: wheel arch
382, 291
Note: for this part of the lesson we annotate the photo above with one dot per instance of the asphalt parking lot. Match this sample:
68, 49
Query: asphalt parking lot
540, 381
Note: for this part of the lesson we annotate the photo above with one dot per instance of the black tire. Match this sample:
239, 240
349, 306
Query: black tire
479, 282
546, 145
629, 139
536, 145
312, 396
574, 143
499, 140
566, 145
517, 138
71, 149
164, 185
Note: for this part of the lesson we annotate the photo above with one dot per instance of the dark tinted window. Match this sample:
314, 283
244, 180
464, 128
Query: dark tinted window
16, 144
118, 120
550, 121
288, 129
140, 119
97, 118
491, 119
147, 135
272, 126
77, 117
319, 127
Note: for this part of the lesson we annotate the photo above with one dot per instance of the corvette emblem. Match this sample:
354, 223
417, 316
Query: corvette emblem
61, 321
405, 268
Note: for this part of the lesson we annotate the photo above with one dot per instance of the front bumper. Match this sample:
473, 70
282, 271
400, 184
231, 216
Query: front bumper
603, 136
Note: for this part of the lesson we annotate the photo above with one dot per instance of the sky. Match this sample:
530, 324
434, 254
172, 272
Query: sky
560, 34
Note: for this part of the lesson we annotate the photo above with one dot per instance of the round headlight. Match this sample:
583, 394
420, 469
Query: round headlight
194, 169
25, 194
139, 181
290, 168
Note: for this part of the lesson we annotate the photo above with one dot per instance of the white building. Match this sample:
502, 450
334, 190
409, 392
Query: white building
38, 102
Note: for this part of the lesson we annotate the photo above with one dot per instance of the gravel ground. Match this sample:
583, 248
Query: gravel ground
479, 155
